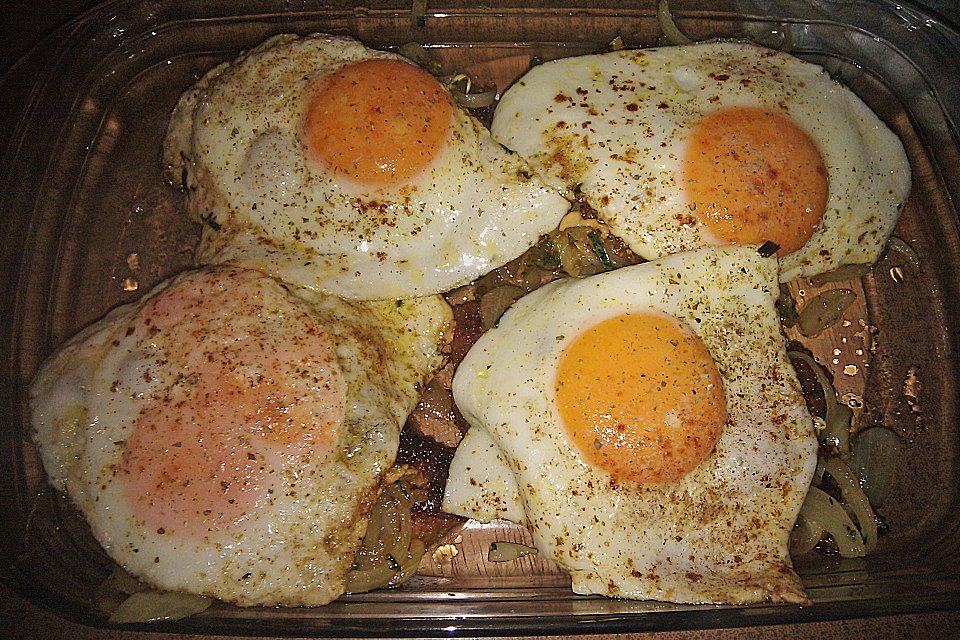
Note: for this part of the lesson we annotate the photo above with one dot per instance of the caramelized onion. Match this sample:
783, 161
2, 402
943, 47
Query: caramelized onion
829, 515
507, 551
158, 606
824, 310
805, 535
118, 586
667, 25
900, 246
495, 302
419, 55
837, 430
787, 307
873, 458
388, 554
846, 272
855, 500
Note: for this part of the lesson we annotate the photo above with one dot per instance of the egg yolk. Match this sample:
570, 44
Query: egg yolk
378, 122
207, 452
641, 397
752, 175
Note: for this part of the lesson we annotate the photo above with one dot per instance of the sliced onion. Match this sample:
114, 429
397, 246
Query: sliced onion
787, 307
836, 433
409, 565
507, 551
667, 25
376, 576
805, 536
397, 528
419, 55
900, 246
495, 302
118, 586
855, 500
418, 13
824, 310
157, 606
873, 458
388, 553
460, 86
828, 514
846, 272
787, 46
475, 100
578, 257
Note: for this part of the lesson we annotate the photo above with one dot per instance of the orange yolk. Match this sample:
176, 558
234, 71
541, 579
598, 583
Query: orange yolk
641, 397
752, 175
208, 452
378, 122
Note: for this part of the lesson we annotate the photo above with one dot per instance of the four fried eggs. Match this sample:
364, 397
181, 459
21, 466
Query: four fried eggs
364, 180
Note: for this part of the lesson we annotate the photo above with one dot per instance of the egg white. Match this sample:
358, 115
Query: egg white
719, 533
236, 137
296, 547
615, 126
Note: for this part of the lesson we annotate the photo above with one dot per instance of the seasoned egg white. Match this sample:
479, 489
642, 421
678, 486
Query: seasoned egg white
707, 144
226, 437
349, 171
654, 502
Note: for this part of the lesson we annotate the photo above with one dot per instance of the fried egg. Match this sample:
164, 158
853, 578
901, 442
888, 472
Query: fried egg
647, 427
226, 437
679, 148
350, 171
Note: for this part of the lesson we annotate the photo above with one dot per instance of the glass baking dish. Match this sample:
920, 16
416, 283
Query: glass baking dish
82, 191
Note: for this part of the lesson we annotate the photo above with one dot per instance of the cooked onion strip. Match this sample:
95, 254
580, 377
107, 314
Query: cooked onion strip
846, 272
829, 515
873, 458
388, 554
460, 86
824, 310
118, 586
855, 500
578, 256
837, 430
477, 100
419, 55
667, 25
787, 307
495, 302
507, 551
418, 13
900, 246
805, 535
157, 606
374, 576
